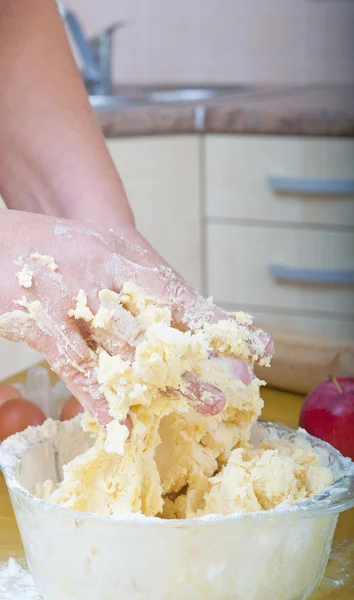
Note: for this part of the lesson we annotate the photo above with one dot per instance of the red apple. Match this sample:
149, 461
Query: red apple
328, 413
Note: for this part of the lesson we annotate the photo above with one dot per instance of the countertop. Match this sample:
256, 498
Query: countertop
312, 110
281, 407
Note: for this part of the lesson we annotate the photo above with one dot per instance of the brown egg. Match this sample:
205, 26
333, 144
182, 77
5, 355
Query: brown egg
8, 392
71, 408
17, 414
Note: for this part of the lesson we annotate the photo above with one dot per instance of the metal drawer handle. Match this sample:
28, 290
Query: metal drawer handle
317, 276
329, 187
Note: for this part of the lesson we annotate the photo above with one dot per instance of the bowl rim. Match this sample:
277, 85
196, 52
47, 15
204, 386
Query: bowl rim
336, 498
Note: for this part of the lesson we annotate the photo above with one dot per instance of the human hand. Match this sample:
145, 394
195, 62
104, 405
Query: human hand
91, 258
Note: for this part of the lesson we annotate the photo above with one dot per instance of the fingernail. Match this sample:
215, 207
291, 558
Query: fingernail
267, 343
215, 404
205, 397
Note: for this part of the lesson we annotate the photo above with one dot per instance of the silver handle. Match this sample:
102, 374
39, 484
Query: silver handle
311, 187
316, 276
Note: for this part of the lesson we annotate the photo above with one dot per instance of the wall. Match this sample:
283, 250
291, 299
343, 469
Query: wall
223, 41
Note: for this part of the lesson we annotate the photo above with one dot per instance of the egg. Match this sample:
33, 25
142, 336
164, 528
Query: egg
71, 408
17, 414
8, 392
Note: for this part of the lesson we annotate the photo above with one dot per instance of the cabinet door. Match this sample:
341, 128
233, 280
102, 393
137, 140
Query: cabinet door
161, 176
282, 268
280, 179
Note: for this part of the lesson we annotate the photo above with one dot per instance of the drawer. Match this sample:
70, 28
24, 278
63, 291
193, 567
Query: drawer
280, 179
329, 326
280, 267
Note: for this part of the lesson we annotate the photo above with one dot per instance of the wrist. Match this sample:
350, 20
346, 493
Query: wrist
109, 209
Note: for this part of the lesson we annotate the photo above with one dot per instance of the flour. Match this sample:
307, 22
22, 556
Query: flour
14, 447
16, 583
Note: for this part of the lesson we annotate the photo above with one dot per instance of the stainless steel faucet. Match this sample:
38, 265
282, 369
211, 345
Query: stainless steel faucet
96, 52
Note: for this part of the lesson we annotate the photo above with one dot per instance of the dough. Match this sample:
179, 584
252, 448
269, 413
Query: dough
177, 463
46, 260
25, 277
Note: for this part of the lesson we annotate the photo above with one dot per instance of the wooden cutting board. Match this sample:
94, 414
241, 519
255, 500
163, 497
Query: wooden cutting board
280, 407
302, 361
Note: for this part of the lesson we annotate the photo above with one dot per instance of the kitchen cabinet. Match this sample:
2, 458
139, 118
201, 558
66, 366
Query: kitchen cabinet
162, 179
244, 262
280, 179
279, 220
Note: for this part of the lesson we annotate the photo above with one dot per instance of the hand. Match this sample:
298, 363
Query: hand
91, 259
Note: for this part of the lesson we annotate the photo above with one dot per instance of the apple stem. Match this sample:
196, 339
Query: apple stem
335, 382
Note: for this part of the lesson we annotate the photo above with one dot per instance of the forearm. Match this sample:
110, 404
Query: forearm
53, 157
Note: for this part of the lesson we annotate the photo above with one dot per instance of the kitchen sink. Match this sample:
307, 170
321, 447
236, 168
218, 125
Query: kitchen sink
183, 95
152, 96
113, 102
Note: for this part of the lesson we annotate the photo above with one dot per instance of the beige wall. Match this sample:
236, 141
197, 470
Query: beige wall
286, 41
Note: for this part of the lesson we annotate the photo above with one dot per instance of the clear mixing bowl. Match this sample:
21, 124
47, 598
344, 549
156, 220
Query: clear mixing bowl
279, 554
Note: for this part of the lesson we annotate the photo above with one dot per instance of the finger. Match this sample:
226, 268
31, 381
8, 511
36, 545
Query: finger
205, 397
191, 311
114, 328
128, 423
188, 308
15, 326
237, 369
59, 339
73, 361
120, 333
114, 318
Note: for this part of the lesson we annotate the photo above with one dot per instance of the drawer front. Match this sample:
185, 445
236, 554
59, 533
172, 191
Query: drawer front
280, 179
284, 268
335, 328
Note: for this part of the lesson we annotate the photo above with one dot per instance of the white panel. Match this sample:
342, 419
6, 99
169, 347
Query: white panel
15, 358
238, 168
239, 259
161, 176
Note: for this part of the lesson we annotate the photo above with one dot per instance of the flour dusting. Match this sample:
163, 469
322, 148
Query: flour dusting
339, 573
16, 583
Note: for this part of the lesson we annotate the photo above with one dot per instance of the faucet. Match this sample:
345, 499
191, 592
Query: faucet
96, 53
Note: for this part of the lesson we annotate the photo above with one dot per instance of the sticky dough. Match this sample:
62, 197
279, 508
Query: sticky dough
178, 463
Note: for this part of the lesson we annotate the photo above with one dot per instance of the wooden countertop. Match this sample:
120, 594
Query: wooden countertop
281, 407
318, 110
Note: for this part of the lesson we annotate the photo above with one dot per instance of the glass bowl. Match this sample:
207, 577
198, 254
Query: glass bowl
280, 554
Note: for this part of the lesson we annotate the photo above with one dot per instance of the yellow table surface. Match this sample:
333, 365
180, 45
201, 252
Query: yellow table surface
280, 407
